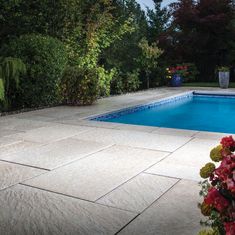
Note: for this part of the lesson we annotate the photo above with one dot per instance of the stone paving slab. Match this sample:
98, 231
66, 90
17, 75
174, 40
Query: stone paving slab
135, 139
175, 132
9, 145
138, 193
6, 132
17, 124
55, 154
196, 153
175, 213
11, 174
33, 116
73, 120
7, 141
140, 128
212, 135
51, 133
175, 170
52, 113
185, 163
26, 211
93, 177
16, 147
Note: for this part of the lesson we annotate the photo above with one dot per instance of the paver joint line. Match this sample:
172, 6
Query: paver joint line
151, 204
69, 196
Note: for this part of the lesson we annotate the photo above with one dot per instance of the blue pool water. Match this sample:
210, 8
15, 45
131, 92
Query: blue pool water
195, 112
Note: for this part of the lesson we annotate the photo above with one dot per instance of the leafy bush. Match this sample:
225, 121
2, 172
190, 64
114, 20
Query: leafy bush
132, 81
158, 75
117, 86
10, 71
80, 86
187, 71
125, 82
45, 60
105, 78
192, 72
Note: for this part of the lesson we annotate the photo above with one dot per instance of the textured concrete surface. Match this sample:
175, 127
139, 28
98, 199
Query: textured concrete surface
27, 211
11, 174
94, 176
62, 174
135, 139
139, 193
175, 213
55, 154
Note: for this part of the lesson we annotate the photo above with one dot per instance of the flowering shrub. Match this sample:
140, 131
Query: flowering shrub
187, 71
218, 190
177, 70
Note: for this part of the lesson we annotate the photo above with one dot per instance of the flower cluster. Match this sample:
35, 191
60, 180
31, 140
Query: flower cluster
181, 70
187, 71
218, 189
228, 142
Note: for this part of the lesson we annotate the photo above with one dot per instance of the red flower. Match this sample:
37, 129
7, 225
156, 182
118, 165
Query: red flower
226, 172
228, 142
215, 199
229, 228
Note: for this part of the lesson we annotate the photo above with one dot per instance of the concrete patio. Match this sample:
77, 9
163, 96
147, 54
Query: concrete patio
62, 174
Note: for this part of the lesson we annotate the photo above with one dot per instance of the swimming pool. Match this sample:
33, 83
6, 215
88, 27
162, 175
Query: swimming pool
191, 111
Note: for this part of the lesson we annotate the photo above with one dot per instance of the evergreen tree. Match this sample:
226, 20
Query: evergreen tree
158, 20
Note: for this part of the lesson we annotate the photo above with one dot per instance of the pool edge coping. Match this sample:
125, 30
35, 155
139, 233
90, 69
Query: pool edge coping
119, 126
135, 108
96, 116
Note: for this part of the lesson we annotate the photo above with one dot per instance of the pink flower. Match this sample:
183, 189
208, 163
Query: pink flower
229, 228
226, 172
228, 142
215, 199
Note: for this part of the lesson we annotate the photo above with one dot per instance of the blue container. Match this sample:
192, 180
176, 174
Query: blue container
176, 80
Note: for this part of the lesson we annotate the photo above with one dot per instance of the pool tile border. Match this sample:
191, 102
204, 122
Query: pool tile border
115, 114
133, 109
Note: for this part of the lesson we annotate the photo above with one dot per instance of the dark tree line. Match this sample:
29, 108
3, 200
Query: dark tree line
201, 32
115, 45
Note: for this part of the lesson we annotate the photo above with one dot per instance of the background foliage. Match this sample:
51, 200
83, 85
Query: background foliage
45, 61
126, 48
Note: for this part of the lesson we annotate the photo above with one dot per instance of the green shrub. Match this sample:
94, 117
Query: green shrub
45, 60
117, 86
192, 72
10, 71
105, 78
80, 86
125, 82
132, 81
158, 76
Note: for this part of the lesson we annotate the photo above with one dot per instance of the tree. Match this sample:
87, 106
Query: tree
149, 56
203, 33
124, 52
158, 20
53, 18
98, 29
